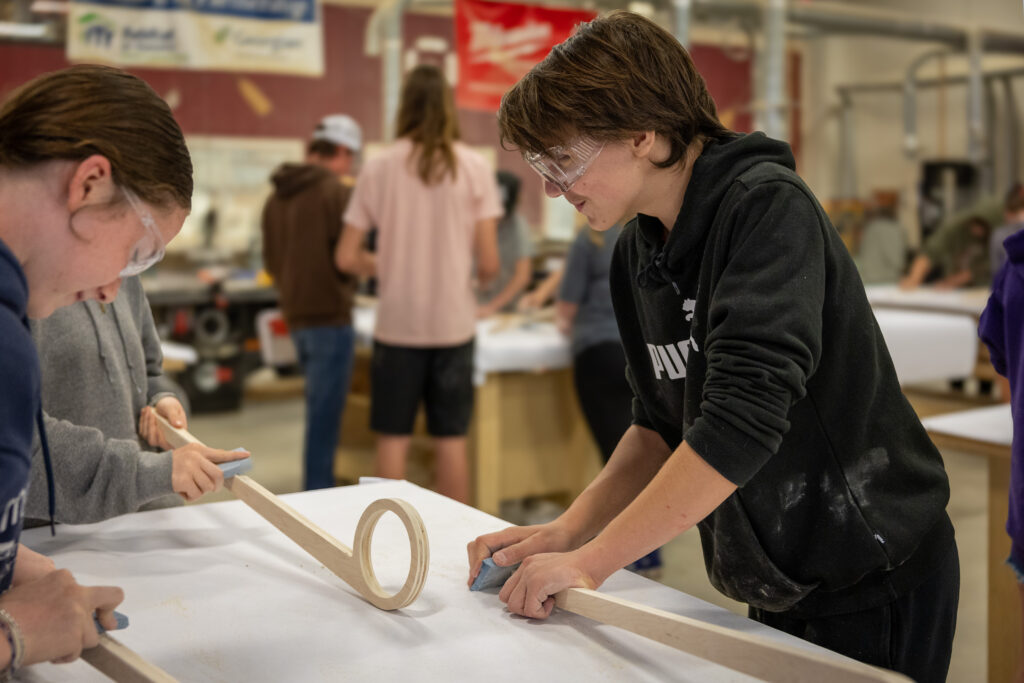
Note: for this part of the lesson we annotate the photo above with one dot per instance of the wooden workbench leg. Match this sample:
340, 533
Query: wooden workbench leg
1004, 627
487, 471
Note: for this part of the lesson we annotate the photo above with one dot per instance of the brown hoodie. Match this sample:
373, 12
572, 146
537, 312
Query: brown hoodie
302, 224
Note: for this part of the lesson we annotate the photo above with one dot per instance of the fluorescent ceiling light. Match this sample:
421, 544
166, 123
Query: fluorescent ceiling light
12, 30
49, 7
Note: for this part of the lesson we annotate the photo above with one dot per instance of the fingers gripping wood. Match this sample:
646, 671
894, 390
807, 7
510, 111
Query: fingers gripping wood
355, 568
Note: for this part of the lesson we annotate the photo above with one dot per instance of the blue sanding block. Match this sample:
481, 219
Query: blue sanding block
491, 575
122, 622
234, 467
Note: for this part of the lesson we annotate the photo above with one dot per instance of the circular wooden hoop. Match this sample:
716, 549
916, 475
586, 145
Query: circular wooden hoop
419, 553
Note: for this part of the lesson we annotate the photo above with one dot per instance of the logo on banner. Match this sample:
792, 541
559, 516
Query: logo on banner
97, 30
495, 43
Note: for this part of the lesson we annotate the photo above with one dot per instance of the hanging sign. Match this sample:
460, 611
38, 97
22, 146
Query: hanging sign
272, 36
498, 43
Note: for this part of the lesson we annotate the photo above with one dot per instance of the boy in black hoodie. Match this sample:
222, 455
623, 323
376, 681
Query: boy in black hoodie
767, 411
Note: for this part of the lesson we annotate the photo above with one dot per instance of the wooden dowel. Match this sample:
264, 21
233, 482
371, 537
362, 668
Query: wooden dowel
353, 567
743, 652
123, 665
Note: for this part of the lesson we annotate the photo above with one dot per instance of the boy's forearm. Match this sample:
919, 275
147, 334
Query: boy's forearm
683, 492
634, 463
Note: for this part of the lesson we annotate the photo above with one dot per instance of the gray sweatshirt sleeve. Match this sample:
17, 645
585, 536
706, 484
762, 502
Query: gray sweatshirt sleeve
95, 478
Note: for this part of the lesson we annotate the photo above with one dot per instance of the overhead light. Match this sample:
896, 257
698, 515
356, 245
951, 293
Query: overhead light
9, 29
49, 7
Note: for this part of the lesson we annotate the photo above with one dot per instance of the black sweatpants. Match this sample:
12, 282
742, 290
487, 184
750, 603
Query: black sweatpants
912, 635
599, 373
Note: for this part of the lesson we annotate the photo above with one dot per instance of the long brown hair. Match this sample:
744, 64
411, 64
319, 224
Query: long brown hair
87, 109
426, 115
615, 76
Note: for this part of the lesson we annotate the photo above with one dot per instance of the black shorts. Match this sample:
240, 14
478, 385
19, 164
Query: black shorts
402, 376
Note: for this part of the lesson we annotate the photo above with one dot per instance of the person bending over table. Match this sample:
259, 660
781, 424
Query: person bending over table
748, 337
103, 385
95, 179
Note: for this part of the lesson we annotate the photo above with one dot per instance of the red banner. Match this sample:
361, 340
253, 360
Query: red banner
497, 43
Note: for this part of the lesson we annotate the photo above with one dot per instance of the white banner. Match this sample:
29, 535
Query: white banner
270, 36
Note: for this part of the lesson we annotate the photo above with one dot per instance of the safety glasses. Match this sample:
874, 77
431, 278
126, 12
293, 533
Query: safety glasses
150, 247
562, 166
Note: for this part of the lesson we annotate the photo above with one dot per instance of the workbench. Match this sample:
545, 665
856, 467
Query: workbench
214, 593
953, 304
528, 437
988, 432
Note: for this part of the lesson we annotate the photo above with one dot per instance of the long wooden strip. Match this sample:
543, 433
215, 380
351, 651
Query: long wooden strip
743, 652
355, 568
123, 665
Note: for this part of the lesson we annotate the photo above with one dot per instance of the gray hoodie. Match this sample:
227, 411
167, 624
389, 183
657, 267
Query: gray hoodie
100, 365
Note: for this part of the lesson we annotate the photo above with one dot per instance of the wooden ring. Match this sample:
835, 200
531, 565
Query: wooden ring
419, 553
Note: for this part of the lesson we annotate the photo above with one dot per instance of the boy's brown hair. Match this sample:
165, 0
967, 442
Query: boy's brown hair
426, 116
88, 109
616, 75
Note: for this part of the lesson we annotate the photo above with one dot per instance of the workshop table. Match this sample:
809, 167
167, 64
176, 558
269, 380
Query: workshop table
927, 347
214, 593
988, 432
969, 301
963, 303
528, 437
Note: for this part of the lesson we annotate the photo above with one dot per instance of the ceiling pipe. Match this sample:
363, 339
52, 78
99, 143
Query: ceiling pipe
911, 143
682, 11
384, 39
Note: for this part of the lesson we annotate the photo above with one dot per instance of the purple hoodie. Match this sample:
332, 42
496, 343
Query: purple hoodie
1002, 330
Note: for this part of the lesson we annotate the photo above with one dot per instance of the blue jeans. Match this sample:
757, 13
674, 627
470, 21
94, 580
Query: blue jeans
325, 354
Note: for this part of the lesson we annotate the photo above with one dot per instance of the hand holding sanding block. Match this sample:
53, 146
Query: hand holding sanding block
120, 663
492, 575
234, 467
122, 623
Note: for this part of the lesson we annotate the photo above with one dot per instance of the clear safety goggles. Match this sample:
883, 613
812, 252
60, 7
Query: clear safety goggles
562, 166
150, 247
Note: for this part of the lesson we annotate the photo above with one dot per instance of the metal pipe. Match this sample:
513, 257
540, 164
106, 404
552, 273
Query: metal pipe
772, 71
384, 39
864, 88
838, 18
976, 110
847, 149
911, 144
996, 174
682, 16
1012, 131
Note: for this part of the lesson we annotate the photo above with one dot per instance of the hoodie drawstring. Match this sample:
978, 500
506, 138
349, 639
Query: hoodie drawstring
52, 496
124, 351
99, 343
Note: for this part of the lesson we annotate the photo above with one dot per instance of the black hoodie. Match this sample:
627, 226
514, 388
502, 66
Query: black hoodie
748, 334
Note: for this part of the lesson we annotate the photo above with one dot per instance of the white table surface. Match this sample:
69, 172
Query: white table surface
991, 424
927, 347
214, 593
924, 346
966, 301
532, 348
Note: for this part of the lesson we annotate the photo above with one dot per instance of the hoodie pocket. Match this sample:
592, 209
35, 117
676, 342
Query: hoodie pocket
738, 566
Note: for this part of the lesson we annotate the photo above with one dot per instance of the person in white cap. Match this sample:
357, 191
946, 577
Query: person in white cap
301, 226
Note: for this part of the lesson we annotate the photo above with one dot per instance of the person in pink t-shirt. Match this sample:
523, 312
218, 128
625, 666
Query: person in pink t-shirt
435, 204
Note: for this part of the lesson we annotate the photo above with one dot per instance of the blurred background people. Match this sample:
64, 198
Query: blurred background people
302, 225
435, 205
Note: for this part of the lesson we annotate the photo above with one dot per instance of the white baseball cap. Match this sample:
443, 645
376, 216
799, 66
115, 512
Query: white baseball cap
340, 129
